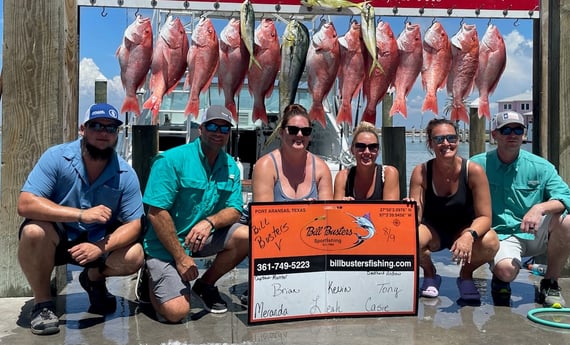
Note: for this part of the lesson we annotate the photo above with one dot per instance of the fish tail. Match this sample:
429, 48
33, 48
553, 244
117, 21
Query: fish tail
259, 113
484, 108
131, 104
153, 103
317, 113
231, 106
369, 115
399, 106
430, 103
193, 107
459, 113
344, 114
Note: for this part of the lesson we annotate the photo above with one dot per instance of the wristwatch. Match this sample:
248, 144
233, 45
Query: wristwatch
474, 234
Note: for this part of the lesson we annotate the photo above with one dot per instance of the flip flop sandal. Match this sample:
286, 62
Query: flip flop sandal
467, 289
430, 287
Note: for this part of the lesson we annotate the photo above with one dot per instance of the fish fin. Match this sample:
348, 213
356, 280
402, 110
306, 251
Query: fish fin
317, 113
369, 116
483, 109
193, 107
231, 106
259, 113
153, 103
399, 106
430, 103
131, 104
459, 114
344, 114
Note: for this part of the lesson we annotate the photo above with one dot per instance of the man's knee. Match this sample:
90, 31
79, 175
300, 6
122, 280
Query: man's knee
174, 310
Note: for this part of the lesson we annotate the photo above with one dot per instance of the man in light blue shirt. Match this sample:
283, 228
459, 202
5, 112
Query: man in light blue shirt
529, 202
82, 204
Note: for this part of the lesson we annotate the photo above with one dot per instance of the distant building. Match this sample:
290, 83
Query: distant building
521, 103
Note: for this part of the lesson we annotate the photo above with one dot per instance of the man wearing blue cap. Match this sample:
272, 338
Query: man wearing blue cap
194, 198
82, 205
530, 203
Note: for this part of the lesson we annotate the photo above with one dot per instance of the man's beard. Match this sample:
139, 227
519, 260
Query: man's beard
98, 154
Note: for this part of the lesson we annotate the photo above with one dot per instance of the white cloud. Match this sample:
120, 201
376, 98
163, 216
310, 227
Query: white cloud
89, 72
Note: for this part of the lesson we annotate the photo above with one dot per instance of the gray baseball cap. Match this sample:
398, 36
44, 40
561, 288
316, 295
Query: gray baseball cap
506, 118
217, 112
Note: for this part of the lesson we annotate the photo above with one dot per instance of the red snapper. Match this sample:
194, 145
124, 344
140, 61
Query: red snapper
492, 62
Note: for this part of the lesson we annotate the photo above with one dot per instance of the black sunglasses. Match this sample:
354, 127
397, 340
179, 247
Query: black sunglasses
294, 130
439, 139
99, 127
371, 147
213, 127
508, 130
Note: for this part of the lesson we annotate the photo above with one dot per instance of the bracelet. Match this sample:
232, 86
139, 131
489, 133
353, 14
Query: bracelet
80, 214
213, 227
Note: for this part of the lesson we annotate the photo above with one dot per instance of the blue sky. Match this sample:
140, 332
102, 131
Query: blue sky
100, 36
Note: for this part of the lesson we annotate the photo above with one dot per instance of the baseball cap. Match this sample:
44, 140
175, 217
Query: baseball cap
217, 112
506, 118
102, 111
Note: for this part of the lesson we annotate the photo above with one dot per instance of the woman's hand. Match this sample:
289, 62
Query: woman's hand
462, 249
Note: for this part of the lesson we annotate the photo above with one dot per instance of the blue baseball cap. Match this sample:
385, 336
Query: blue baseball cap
102, 111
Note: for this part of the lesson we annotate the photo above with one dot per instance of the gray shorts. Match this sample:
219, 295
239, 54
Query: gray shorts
164, 279
515, 248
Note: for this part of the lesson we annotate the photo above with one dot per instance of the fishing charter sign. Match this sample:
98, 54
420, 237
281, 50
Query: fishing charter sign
323, 259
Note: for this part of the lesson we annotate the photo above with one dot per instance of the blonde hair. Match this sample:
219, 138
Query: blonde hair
364, 127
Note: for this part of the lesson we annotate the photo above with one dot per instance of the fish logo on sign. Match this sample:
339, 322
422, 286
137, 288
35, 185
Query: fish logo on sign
365, 223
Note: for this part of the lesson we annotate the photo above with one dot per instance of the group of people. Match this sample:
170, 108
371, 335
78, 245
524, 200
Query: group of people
82, 204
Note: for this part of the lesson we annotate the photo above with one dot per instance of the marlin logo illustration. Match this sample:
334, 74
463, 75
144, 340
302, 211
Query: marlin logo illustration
365, 223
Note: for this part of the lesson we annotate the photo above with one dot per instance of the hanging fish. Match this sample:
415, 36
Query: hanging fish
232, 70
351, 70
323, 59
410, 51
135, 55
261, 80
334, 4
436, 64
203, 61
464, 65
247, 30
294, 47
377, 83
492, 62
168, 63
368, 26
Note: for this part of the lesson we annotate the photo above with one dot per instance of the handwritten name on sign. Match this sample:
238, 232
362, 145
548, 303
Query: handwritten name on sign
323, 259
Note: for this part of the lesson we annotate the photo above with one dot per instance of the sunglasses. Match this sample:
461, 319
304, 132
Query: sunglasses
294, 130
509, 130
99, 127
213, 127
361, 147
439, 139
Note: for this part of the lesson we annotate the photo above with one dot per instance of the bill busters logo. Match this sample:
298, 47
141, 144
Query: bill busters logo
325, 234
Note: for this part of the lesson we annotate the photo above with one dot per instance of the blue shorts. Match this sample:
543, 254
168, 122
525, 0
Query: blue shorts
164, 279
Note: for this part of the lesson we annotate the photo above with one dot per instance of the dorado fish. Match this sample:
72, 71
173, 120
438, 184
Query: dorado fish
334, 4
492, 62
436, 64
464, 65
368, 27
203, 60
410, 51
376, 84
135, 55
294, 47
168, 63
351, 71
261, 80
247, 30
323, 59
234, 58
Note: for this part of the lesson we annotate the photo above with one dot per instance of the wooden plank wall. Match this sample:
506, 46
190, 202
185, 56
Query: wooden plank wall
40, 101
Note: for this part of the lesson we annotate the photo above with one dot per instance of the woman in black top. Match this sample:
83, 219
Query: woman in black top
367, 180
454, 211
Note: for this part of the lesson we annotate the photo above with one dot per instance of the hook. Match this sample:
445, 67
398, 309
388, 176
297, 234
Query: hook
103, 13
516, 23
137, 12
406, 20
489, 22
323, 20
433, 21
461, 22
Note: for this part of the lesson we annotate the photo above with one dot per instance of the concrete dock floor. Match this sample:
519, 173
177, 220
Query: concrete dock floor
439, 321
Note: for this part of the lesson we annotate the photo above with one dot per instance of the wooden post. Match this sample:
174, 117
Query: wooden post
40, 105
394, 138
144, 147
100, 90
476, 133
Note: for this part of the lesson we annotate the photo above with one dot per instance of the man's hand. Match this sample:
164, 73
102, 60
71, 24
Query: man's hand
98, 214
197, 236
187, 268
531, 220
85, 252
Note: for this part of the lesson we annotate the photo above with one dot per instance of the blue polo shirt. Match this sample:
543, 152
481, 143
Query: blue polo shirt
182, 182
517, 186
60, 176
